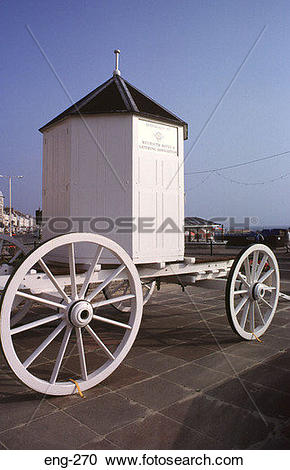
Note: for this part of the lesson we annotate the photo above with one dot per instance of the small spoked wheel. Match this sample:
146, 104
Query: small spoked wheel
11, 252
252, 291
11, 249
69, 334
118, 288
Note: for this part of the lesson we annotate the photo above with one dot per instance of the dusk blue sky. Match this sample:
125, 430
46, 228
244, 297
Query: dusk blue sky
184, 55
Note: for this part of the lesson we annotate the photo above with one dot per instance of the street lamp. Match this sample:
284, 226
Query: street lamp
10, 198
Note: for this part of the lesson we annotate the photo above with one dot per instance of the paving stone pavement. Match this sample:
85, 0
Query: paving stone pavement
188, 383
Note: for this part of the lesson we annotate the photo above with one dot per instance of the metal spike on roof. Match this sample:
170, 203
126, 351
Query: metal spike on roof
117, 71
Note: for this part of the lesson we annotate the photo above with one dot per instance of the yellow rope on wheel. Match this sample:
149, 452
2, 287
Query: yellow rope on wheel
258, 339
78, 387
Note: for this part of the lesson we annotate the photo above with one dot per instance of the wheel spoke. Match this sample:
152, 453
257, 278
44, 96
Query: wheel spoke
72, 270
114, 300
106, 282
41, 300
261, 266
252, 317
266, 275
266, 303
240, 305
254, 265
43, 345
53, 280
18, 253
260, 313
245, 314
242, 277
100, 342
247, 269
60, 355
81, 354
112, 322
35, 324
239, 292
90, 272
148, 286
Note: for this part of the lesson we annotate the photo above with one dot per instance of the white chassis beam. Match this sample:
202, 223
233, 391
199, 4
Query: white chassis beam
38, 283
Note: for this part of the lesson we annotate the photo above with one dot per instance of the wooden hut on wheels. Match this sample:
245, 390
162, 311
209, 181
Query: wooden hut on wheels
113, 164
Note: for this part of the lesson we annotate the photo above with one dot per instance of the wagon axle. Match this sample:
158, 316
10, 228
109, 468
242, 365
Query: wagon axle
258, 291
80, 313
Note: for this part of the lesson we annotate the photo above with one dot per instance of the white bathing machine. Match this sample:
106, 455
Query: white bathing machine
115, 154
113, 164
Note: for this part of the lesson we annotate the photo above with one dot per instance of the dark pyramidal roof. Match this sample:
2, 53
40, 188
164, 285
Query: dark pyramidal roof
117, 95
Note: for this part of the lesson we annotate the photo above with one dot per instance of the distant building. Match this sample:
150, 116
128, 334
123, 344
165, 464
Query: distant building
200, 230
1, 204
2, 224
21, 223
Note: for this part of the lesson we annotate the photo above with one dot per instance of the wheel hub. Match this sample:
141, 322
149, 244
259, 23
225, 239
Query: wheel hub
80, 313
258, 291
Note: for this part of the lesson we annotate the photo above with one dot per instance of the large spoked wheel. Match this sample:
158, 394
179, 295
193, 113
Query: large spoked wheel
79, 339
122, 288
252, 291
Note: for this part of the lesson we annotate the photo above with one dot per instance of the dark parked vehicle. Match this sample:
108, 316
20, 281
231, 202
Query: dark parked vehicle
275, 238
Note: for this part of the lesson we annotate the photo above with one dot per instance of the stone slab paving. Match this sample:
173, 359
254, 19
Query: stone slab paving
188, 383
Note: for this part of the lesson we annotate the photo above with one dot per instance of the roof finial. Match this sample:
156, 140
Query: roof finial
117, 71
